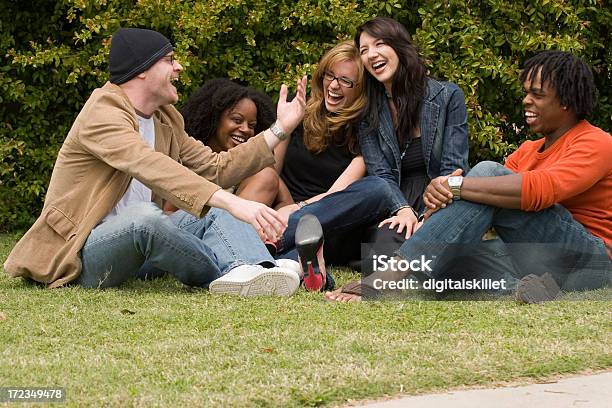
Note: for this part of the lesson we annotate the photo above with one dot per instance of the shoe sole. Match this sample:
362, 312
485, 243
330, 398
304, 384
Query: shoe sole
270, 282
309, 242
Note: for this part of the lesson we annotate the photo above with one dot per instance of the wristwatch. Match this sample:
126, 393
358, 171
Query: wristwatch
277, 131
455, 182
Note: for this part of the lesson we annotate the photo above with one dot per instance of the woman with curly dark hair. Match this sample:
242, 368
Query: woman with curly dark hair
223, 114
321, 170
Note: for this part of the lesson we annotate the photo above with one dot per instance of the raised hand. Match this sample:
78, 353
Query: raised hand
290, 114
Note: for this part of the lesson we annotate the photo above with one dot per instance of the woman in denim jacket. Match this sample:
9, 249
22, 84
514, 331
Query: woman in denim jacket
414, 128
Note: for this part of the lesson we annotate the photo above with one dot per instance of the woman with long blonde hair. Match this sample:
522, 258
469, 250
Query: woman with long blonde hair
322, 172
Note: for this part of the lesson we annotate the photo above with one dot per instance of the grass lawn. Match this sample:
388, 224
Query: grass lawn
160, 344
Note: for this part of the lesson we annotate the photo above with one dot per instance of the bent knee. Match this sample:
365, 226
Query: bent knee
376, 186
148, 217
267, 177
262, 186
488, 169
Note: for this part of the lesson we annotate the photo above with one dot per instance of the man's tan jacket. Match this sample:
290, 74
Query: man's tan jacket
101, 154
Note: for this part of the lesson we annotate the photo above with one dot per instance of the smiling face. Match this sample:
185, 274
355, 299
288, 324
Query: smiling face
236, 125
544, 113
337, 81
379, 59
160, 80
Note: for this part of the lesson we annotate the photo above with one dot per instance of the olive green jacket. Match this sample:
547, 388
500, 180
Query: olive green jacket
101, 154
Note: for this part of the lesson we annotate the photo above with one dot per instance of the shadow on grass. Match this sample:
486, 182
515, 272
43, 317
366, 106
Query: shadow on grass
170, 286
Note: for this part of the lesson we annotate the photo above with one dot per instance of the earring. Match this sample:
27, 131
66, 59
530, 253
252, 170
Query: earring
565, 108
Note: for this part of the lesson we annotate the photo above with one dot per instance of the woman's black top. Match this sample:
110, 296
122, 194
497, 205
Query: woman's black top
414, 177
307, 174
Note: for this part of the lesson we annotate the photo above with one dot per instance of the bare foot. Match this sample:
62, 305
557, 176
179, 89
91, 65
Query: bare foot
338, 296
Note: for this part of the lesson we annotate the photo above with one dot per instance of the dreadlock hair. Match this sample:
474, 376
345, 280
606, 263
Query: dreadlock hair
204, 108
571, 78
409, 84
321, 126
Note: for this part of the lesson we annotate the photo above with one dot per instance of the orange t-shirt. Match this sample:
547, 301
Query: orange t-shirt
576, 172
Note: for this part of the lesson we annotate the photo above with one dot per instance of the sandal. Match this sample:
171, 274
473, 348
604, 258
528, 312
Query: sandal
361, 289
358, 288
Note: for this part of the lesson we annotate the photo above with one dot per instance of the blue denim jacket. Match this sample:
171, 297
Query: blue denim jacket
444, 134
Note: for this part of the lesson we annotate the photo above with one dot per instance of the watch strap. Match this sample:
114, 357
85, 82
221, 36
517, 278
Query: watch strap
455, 188
278, 131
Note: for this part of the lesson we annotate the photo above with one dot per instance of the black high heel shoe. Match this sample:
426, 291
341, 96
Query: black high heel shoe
309, 243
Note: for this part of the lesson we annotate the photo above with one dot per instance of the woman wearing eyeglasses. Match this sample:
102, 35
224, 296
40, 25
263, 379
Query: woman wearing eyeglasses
323, 172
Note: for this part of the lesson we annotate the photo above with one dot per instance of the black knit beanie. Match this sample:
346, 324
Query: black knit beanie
134, 50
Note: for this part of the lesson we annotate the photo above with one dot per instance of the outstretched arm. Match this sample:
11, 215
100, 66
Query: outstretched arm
267, 222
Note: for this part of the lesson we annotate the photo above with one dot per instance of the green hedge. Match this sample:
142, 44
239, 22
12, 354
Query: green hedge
55, 53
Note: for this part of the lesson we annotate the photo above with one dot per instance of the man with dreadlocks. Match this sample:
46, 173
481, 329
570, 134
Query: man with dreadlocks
551, 203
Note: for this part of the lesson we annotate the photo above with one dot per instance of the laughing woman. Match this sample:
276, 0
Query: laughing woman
414, 129
323, 172
223, 114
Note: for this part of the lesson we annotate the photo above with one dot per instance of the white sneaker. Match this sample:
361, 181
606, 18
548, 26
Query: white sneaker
291, 265
254, 280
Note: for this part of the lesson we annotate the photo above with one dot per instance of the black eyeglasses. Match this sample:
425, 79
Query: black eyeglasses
169, 58
343, 81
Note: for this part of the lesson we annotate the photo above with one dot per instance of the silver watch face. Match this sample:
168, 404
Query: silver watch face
455, 181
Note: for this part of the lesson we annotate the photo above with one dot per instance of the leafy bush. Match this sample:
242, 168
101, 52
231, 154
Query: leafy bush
481, 45
57, 51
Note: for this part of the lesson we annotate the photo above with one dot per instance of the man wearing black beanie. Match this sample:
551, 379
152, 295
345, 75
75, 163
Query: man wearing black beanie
126, 152
134, 50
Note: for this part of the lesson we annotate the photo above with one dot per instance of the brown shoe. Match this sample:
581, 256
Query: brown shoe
537, 289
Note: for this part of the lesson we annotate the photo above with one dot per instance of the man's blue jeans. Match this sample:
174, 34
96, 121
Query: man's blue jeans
194, 250
342, 215
545, 241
